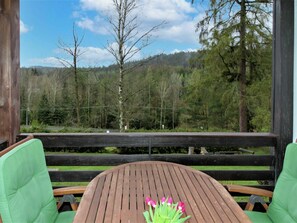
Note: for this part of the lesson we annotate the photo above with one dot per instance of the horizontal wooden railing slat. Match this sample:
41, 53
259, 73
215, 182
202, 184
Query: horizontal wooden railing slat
83, 176
190, 160
70, 140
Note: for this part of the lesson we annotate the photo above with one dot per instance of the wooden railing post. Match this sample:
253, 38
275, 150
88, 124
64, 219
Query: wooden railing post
282, 88
9, 69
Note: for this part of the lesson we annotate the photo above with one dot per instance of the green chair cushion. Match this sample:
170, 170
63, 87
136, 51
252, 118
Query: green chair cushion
258, 217
283, 206
25, 188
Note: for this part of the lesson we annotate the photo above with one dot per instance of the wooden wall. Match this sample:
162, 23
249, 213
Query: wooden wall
9, 69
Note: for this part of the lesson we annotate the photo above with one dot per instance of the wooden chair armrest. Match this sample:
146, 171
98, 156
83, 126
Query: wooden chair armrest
69, 190
255, 195
67, 193
249, 190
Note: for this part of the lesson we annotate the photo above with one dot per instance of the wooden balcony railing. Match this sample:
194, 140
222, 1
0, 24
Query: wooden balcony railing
153, 140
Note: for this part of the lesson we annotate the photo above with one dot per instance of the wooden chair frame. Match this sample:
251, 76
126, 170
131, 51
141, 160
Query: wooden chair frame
252, 191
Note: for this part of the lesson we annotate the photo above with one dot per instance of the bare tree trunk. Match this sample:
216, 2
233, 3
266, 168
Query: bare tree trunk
129, 41
75, 53
242, 77
77, 103
121, 109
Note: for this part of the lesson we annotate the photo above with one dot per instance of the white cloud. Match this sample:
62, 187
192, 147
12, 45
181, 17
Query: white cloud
93, 56
169, 10
183, 32
186, 50
178, 14
96, 25
90, 57
48, 61
23, 27
102, 5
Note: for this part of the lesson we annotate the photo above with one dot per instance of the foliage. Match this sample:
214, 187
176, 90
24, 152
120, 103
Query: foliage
234, 34
34, 127
158, 150
197, 98
165, 211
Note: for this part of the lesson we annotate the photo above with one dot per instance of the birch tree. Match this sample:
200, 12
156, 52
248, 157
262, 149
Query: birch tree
128, 41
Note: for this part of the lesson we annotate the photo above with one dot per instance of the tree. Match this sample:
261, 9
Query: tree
128, 42
44, 114
75, 52
238, 24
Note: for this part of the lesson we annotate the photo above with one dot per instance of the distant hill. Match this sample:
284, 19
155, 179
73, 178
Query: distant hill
180, 59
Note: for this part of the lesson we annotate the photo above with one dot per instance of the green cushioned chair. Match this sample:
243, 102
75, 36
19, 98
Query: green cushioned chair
26, 194
283, 207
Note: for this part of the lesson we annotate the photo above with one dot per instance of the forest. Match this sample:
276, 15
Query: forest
173, 92
224, 86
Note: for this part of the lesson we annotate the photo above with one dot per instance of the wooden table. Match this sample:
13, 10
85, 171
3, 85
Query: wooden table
118, 195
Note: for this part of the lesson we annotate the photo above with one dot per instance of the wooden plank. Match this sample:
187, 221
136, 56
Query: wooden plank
283, 73
128, 193
207, 197
111, 197
95, 199
164, 183
191, 160
158, 183
241, 174
215, 198
103, 200
86, 203
116, 215
73, 176
184, 186
72, 140
9, 69
87, 176
140, 194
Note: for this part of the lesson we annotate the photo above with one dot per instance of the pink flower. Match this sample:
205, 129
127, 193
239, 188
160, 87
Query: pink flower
170, 201
181, 207
150, 202
163, 200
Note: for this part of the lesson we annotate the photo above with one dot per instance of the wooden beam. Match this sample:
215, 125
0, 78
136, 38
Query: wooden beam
218, 139
9, 69
282, 87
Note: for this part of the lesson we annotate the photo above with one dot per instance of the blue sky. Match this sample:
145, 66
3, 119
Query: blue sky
45, 22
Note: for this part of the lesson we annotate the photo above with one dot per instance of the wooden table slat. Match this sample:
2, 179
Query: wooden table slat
111, 197
103, 199
140, 204
116, 217
186, 197
195, 199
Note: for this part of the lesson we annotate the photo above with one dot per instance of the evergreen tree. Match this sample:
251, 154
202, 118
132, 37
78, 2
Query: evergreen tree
44, 114
229, 31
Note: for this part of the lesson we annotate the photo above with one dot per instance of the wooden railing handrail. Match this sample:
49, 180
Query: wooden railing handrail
222, 139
